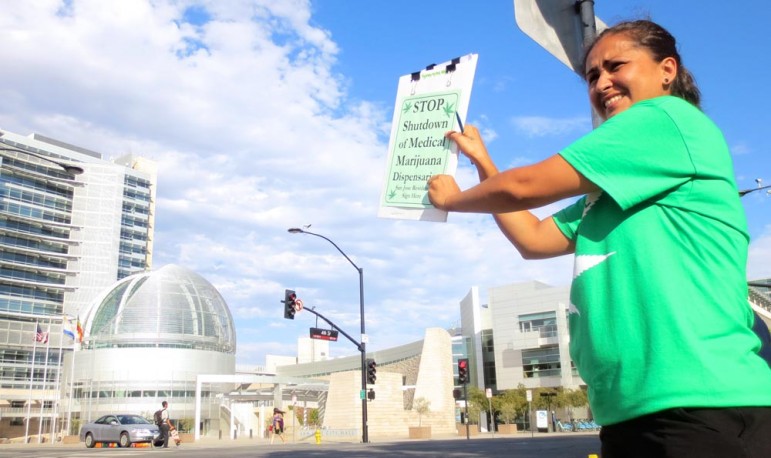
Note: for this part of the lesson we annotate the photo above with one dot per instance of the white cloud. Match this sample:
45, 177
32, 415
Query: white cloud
540, 126
253, 133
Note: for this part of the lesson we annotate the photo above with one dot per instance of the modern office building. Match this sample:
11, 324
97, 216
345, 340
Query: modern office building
66, 234
521, 335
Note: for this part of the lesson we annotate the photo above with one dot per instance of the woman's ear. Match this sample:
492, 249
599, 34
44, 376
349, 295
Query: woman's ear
668, 68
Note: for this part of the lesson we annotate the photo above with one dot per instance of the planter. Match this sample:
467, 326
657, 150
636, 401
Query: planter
507, 429
420, 432
473, 430
186, 438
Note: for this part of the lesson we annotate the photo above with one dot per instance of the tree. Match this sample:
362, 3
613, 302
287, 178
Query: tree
422, 406
575, 398
313, 417
511, 403
477, 403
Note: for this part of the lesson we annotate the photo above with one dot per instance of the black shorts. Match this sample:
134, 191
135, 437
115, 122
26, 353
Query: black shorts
735, 432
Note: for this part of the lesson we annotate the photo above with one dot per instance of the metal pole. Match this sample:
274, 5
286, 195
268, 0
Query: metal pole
588, 25
31, 380
747, 191
492, 416
364, 427
362, 345
465, 397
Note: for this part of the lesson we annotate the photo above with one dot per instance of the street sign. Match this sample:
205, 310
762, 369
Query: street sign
324, 334
529, 394
557, 26
489, 392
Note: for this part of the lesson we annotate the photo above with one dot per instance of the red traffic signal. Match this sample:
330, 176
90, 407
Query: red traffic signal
463, 371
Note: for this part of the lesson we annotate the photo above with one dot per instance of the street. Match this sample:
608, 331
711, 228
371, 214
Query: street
571, 445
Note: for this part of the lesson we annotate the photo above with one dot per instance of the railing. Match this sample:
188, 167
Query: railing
759, 298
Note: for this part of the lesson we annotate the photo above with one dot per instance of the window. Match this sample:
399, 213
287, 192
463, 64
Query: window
544, 323
541, 362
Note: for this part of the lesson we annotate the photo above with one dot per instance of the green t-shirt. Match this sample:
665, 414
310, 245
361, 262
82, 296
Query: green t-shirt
659, 315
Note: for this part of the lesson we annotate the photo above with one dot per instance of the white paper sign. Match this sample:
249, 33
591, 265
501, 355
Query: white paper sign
428, 104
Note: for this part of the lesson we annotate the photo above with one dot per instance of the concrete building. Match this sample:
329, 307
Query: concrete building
64, 237
521, 336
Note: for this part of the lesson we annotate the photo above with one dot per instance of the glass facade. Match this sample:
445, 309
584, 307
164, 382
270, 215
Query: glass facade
541, 362
59, 247
172, 307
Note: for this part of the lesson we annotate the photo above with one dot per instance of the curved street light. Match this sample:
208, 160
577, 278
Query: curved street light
71, 169
759, 181
362, 344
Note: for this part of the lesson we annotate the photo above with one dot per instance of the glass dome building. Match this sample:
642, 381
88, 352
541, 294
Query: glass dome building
146, 339
172, 307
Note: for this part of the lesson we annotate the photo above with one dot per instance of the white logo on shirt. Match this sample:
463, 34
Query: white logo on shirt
583, 263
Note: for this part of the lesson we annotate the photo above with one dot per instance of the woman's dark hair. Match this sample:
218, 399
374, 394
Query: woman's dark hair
661, 44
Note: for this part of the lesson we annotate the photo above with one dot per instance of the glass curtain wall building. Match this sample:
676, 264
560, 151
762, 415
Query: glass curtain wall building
64, 238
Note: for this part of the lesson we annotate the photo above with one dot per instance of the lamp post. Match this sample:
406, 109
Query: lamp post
758, 188
362, 344
71, 169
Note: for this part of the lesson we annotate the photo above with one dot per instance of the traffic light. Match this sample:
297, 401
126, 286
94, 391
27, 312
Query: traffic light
371, 394
462, 371
289, 304
456, 393
371, 371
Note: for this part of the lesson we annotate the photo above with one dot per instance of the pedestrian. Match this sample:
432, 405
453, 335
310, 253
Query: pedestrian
164, 425
277, 427
659, 319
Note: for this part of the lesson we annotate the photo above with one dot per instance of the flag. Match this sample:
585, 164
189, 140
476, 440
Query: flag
41, 336
80, 331
67, 328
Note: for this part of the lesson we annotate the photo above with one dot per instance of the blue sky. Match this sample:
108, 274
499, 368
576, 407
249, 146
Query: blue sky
265, 115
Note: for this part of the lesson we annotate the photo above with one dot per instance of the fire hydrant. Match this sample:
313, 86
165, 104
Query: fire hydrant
318, 436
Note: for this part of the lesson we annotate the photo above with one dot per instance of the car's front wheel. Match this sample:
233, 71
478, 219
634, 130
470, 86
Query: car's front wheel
124, 440
90, 442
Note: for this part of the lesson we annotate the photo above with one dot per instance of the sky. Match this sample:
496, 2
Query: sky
268, 114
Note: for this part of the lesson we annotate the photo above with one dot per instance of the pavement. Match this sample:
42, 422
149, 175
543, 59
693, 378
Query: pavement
210, 442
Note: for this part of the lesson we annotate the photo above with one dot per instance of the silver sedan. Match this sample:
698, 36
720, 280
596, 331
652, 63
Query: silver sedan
123, 429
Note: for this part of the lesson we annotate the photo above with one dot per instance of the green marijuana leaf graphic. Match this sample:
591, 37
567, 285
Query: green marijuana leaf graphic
407, 107
449, 110
391, 194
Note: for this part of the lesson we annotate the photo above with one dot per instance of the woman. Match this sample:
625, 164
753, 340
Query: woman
277, 427
659, 321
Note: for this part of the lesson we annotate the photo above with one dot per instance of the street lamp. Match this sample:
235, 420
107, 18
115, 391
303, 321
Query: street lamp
758, 188
362, 344
71, 169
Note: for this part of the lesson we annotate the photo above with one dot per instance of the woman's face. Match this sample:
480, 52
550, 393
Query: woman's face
620, 73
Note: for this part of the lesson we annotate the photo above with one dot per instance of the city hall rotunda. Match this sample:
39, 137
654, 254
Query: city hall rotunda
146, 339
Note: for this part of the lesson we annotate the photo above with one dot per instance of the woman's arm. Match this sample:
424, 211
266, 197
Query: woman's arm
509, 196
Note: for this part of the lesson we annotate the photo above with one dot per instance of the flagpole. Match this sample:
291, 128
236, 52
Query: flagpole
31, 378
75, 342
45, 381
58, 397
72, 388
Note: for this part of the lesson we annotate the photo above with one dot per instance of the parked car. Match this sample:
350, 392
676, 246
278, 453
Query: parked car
122, 429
